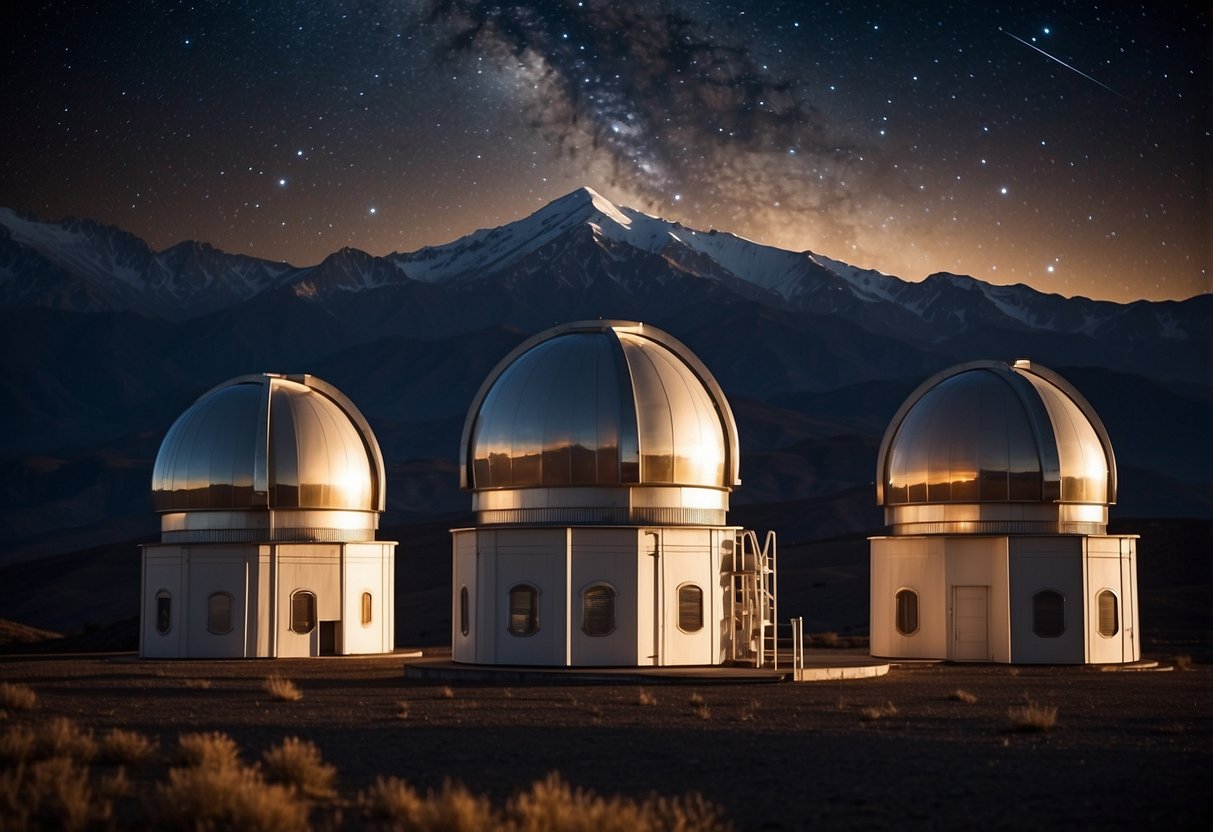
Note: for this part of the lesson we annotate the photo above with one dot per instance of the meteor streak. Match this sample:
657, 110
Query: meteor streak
1063, 63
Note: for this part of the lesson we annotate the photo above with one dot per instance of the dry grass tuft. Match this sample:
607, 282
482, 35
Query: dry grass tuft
17, 697
51, 794
230, 797
645, 697
198, 684
549, 805
120, 747
17, 744
391, 803
282, 689
960, 695
1032, 717
402, 709
446, 692
62, 737
213, 751
552, 805
296, 764
1183, 662
872, 714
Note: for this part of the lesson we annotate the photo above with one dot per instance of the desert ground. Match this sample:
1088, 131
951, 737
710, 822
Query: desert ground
1128, 750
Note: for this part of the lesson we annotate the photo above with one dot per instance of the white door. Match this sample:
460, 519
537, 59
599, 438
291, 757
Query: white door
970, 624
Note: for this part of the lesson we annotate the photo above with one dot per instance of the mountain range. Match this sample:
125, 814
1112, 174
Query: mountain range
103, 342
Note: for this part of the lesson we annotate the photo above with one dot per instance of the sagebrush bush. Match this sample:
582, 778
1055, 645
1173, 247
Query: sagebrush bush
51, 794
1032, 717
213, 750
282, 689
392, 803
960, 695
120, 746
62, 737
644, 697
17, 744
17, 697
296, 764
1183, 662
229, 797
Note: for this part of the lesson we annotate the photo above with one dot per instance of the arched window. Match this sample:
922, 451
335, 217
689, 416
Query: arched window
219, 613
463, 610
1109, 613
907, 612
366, 609
164, 612
598, 610
1048, 613
524, 610
690, 608
303, 612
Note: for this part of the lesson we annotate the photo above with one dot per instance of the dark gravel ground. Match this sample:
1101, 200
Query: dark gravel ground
1129, 748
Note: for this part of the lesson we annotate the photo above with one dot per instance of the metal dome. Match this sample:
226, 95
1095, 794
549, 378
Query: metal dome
996, 448
269, 457
582, 412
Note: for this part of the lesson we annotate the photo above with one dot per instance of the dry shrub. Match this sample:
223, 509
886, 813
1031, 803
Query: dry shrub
878, 712
208, 750
17, 697
231, 797
17, 744
120, 746
1032, 717
50, 794
960, 695
296, 764
198, 684
1183, 662
116, 784
391, 803
551, 805
62, 737
282, 689
696, 700
644, 697
445, 692
402, 709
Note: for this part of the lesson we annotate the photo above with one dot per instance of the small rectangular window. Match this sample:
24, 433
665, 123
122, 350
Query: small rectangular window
524, 610
164, 612
219, 613
463, 610
1109, 618
690, 608
1048, 614
303, 612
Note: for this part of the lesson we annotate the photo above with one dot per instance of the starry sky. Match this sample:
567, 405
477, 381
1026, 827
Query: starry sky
1065, 145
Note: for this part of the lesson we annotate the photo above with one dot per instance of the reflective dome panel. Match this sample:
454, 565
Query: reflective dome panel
599, 403
269, 442
968, 439
1084, 463
988, 433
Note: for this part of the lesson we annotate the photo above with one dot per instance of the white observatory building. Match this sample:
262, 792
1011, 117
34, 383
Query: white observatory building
600, 456
995, 481
269, 489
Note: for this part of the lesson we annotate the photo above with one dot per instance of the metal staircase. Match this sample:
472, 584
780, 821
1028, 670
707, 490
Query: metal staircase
752, 601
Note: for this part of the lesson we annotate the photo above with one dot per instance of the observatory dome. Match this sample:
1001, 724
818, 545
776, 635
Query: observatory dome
987, 447
600, 422
269, 457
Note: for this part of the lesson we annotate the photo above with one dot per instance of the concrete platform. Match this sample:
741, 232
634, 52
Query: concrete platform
817, 668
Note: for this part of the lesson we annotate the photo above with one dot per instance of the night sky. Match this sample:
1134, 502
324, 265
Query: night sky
1062, 145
